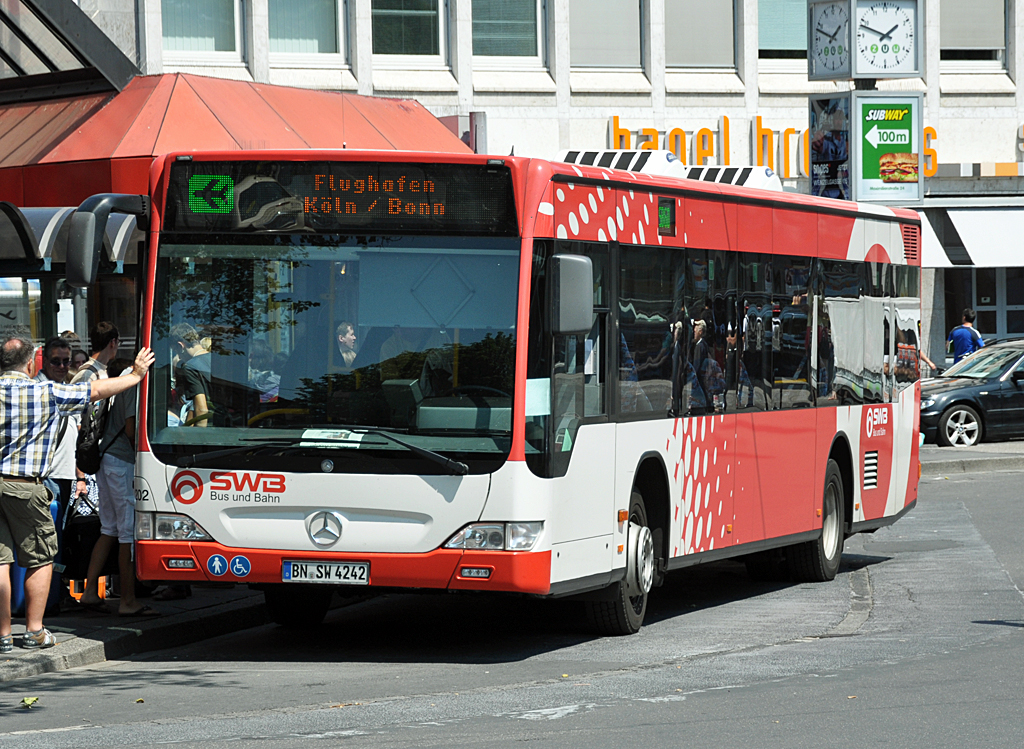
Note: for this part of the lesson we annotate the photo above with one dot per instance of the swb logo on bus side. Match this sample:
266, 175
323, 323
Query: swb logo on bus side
228, 486
187, 487
877, 420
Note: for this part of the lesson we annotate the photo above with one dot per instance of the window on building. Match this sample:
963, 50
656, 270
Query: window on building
605, 34
304, 26
699, 34
782, 29
972, 35
200, 26
406, 27
506, 28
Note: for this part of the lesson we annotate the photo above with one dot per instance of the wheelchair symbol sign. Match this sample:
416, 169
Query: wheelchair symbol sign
240, 566
217, 565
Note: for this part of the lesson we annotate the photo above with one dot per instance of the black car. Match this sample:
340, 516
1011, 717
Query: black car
979, 397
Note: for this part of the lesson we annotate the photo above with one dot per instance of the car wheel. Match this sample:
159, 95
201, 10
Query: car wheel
960, 426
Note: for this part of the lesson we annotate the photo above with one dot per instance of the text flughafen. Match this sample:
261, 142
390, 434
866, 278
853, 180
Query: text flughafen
398, 196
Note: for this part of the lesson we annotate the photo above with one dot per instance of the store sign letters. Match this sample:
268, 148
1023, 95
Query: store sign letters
789, 151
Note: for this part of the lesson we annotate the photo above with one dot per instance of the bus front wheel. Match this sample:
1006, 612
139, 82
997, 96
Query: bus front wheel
818, 561
623, 612
293, 606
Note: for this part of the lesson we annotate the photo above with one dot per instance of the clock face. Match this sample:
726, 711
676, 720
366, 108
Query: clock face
830, 37
886, 36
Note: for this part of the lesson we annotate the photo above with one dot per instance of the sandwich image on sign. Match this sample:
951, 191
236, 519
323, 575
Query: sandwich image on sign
898, 167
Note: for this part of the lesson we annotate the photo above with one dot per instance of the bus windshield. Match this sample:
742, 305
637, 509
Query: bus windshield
300, 339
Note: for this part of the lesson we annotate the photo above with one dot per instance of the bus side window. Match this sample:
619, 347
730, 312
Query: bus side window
791, 341
755, 333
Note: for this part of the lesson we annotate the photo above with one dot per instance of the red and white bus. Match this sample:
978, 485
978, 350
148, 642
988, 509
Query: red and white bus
462, 373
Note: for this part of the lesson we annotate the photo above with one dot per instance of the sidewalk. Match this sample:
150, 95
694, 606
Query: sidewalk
988, 456
85, 638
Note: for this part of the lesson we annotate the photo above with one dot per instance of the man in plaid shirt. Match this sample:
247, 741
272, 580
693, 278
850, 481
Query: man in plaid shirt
29, 418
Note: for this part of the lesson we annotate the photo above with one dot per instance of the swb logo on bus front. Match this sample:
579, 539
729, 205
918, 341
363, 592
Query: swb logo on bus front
877, 420
187, 487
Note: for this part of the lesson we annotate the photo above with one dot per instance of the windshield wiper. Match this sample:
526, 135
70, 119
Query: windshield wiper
194, 460
453, 466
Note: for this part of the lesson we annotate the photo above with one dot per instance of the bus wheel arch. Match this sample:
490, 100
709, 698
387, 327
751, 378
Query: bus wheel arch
651, 481
842, 454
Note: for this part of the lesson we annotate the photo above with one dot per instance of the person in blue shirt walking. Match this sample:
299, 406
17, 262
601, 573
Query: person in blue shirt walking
964, 338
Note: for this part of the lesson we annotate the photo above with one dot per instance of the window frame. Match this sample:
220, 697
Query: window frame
431, 63
187, 58
508, 62
330, 60
972, 67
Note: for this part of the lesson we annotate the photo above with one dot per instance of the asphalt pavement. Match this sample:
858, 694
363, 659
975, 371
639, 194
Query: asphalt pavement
85, 638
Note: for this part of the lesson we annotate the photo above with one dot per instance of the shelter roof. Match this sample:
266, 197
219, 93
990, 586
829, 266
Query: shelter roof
182, 112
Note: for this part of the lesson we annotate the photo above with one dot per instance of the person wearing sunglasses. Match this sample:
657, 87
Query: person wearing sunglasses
61, 479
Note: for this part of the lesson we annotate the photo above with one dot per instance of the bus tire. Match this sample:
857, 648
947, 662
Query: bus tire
294, 606
818, 560
623, 612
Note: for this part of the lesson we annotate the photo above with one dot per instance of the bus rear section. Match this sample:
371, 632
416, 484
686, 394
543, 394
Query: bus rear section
480, 374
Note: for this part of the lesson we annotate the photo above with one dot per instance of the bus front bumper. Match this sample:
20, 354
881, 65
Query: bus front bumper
442, 569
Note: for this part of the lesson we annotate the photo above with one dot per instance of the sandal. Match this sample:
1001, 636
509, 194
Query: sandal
6, 643
144, 611
38, 640
173, 593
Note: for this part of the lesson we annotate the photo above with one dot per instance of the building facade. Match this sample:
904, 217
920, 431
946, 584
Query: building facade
717, 81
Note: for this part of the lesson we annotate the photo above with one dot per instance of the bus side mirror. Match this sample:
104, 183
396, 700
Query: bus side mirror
85, 235
572, 294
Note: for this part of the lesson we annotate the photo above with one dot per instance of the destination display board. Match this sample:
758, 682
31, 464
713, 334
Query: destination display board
340, 197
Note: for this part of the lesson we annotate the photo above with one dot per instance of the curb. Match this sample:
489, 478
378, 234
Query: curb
171, 631
972, 465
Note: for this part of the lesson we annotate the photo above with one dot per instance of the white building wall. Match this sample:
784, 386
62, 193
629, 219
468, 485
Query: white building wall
537, 111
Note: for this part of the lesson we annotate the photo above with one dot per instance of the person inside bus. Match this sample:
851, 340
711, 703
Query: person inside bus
195, 374
346, 334
262, 377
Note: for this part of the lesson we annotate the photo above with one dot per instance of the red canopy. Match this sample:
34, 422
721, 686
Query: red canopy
60, 152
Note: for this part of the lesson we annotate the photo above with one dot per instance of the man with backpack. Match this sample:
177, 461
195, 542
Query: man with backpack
108, 435
30, 414
964, 338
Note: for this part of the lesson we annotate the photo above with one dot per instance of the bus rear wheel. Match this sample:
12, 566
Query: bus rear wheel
818, 561
296, 606
623, 612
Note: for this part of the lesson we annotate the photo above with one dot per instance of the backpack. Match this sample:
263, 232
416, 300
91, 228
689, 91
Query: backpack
87, 452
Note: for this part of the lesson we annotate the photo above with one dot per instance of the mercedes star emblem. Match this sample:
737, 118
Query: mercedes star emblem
324, 528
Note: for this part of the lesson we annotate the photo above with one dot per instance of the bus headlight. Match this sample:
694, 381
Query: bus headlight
497, 537
161, 526
522, 536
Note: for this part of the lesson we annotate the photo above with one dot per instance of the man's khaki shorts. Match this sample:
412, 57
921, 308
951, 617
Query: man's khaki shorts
26, 524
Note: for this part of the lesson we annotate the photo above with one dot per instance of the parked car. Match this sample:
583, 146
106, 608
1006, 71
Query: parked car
979, 397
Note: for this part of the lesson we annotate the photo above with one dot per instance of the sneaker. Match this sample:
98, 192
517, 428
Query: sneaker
38, 640
6, 643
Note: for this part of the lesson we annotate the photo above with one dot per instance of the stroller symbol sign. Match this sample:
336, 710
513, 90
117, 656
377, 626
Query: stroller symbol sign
240, 566
217, 565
